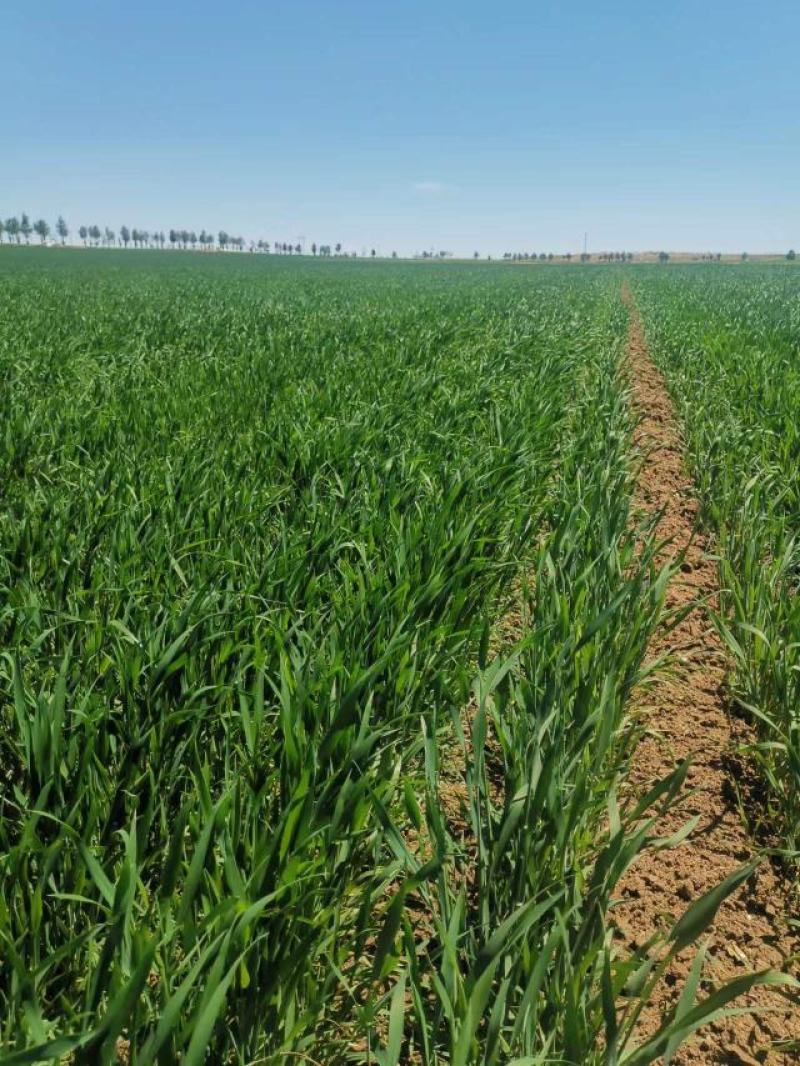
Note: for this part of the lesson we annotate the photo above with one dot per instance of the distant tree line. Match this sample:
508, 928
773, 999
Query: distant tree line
548, 257
519, 257
19, 230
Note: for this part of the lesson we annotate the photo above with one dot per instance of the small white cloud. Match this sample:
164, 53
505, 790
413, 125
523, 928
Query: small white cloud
433, 188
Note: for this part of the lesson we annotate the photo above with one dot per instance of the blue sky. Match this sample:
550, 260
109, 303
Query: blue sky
451, 124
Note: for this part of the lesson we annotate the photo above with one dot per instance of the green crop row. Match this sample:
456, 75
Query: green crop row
729, 344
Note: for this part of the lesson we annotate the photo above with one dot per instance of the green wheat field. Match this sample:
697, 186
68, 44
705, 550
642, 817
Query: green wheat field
322, 598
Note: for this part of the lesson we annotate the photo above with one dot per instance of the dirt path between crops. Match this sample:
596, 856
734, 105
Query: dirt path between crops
685, 714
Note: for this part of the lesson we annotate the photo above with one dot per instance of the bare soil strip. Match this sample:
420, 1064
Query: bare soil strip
685, 713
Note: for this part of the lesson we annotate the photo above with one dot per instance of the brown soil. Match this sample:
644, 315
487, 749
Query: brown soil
685, 714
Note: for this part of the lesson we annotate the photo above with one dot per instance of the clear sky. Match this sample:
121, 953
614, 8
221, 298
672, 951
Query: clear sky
447, 124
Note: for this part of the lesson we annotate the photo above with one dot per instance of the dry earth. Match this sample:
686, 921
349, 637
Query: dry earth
685, 713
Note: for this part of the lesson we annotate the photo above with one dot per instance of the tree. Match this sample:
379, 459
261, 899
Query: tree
2, 230
41, 228
25, 228
394, 255
568, 256
744, 257
338, 247
61, 229
94, 233
125, 234
373, 253
313, 248
109, 237
83, 233
663, 257
791, 255
222, 238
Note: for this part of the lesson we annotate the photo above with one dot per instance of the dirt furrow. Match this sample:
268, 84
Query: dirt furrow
685, 713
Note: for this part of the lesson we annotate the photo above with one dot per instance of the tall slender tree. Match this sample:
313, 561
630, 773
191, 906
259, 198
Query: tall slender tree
12, 228
2, 230
83, 233
62, 229
110, 237
41, 229
125, 235
25, 227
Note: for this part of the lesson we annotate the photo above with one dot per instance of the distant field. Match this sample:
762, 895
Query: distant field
322, 600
